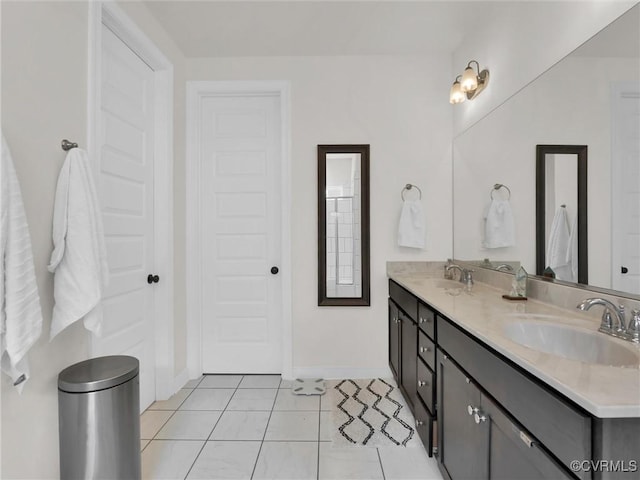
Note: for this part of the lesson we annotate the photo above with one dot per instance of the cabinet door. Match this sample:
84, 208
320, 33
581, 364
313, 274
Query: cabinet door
463, 443
394, 340
514, 453
409, 355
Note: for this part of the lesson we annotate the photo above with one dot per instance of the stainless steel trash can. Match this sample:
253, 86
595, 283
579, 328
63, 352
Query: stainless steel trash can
99, 419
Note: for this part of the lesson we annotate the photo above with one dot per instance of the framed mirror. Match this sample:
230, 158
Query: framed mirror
561, 211
343, 225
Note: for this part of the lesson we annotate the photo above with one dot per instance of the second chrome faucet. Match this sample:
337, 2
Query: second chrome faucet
613, 319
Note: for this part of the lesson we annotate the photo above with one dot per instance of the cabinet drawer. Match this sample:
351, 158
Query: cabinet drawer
563, 428
426, 385
405, 300
427, 350
424, 426
427, 320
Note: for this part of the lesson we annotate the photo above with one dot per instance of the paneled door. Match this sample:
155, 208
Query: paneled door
125, 189
240, 229
625, 199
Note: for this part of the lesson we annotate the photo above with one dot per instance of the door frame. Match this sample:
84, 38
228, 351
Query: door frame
113, 17
196, 92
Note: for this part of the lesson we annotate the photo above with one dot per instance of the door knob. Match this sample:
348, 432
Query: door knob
152, 278
624, 270
274, 270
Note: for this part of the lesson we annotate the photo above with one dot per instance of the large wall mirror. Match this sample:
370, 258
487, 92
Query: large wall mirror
592, 98
561, 212
343, 225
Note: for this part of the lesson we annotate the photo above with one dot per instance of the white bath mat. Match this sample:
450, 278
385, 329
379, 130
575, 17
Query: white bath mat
371, 412
308, 386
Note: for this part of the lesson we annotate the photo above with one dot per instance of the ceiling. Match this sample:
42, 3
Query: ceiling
307, 28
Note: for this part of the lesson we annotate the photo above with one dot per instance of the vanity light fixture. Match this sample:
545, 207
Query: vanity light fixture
456, 95
469, 84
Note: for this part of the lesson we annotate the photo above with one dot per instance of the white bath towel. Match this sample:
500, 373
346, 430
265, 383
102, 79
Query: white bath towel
499, 227
79, 258
20, 311
572, 251
558, 246
412, 227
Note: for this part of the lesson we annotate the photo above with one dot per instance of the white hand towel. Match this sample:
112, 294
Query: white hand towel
558, 246
79, 258
412, 227
572, 251
20, 311
499, 227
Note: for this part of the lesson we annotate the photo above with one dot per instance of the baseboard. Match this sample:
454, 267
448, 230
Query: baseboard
180, 380
329, 373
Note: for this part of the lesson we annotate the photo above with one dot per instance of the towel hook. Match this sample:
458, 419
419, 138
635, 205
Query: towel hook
498, 186
67, 145
409, 186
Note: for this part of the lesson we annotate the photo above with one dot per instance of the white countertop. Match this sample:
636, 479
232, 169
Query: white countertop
604, 391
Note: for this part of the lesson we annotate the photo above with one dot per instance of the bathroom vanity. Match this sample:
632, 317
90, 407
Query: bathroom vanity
489, 407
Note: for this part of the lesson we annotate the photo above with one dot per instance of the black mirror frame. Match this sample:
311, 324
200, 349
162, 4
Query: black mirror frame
365, 298
581, 152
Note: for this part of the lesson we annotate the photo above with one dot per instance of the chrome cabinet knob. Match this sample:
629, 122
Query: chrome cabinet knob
472, 410
479, 417
423, 320
424, 349
419, 423
421, 383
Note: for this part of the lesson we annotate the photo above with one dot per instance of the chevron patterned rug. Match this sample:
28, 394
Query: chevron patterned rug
371, 413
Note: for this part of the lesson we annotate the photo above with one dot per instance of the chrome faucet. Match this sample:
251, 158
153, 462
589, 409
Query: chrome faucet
465, 274
504, 266
613, 321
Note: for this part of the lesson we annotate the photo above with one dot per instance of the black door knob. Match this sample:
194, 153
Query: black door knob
152, 279
624, 269
274, 270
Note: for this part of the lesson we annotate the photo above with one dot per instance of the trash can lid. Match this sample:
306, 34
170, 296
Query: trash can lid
98, 373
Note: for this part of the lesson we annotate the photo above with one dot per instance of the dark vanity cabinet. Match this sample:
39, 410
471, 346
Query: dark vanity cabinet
476, 429
394, 339
495, 420
412, 340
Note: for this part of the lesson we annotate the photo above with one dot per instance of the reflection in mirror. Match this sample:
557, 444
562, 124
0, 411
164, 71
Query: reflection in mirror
557, 109
343, 225
561, 212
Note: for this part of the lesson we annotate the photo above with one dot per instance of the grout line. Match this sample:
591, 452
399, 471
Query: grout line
319, 427
204, 444
265, 432
380, 460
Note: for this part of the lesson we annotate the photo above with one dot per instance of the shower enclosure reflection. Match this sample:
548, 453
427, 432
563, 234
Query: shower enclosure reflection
343, 225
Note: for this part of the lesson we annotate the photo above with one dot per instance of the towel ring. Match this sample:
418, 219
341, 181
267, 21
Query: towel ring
409, 186
498, 186
67, 145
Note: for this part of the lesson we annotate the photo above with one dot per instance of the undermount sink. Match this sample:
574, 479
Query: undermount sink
572, 343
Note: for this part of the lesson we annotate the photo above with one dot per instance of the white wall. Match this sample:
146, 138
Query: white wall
524, 40
44, 99
501, 148
395, 104
44, 90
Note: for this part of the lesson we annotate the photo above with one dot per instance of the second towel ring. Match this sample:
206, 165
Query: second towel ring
409, 186
498, 186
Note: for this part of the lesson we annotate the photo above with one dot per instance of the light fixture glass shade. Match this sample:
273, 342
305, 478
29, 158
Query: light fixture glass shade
469, 80
456, 95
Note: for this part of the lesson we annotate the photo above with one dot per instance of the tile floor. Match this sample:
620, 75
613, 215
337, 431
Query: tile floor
253, 427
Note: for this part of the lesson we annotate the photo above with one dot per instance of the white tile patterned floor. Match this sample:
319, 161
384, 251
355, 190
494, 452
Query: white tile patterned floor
252, 427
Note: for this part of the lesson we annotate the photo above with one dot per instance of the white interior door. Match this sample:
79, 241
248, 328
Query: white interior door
240, 230
125, 188
625, 160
